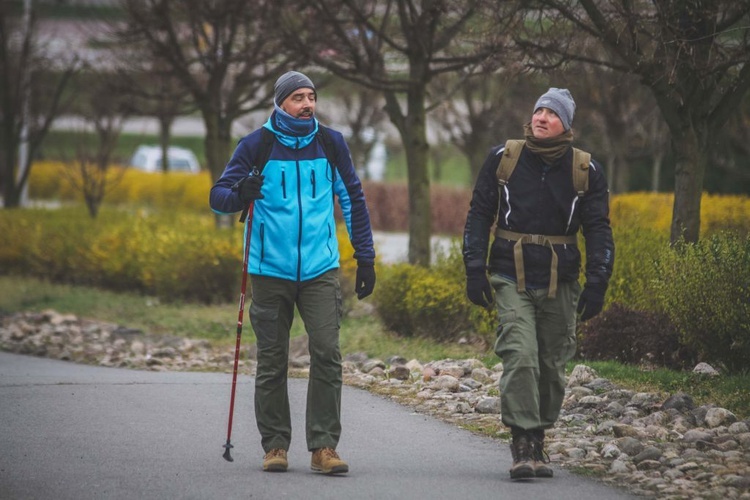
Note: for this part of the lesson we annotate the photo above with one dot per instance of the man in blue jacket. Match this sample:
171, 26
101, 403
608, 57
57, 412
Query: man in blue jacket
294, 260
552, 192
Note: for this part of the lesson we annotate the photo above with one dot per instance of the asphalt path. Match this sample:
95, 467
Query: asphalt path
70, 431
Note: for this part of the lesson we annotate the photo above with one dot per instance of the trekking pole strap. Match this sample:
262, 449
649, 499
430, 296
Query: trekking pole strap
535, 239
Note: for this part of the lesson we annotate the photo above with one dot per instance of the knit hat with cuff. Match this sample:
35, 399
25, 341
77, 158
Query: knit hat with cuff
288, 83
561, 102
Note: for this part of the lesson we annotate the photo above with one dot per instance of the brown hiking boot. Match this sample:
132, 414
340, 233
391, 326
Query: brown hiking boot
275, 461
327, 461
541, 459
521, 449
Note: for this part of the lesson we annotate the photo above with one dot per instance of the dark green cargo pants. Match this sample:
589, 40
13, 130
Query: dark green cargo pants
536, 337
271, 313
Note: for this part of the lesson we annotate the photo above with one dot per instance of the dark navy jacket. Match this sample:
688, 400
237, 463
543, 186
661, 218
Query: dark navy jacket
540, 199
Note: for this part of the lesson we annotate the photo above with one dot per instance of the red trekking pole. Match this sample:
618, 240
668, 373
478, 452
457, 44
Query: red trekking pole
248, 214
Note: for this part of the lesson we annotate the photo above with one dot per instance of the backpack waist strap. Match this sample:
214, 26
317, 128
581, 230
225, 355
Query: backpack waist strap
535, 239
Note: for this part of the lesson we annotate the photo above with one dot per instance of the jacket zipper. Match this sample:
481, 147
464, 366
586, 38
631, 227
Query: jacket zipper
299, 208
312, 181
262, 232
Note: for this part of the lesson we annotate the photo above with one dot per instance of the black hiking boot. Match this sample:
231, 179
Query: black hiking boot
539, 456
522, 450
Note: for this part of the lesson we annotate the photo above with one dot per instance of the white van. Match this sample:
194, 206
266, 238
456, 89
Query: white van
148, 159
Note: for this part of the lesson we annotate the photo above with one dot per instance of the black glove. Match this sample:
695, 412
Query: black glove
591, 301
248, 188
478, 288
365, 283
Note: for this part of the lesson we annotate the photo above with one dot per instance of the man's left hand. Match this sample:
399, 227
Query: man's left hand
365, 283
591, 302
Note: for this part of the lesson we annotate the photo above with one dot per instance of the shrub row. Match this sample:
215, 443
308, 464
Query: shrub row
168, 255
388, 203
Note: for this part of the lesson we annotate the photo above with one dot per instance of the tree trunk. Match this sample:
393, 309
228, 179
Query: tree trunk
165, 135
218, 148
656, 171
691, 156
417, 149
612, 172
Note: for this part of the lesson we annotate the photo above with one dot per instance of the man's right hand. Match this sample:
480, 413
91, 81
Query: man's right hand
478, 288
248, 188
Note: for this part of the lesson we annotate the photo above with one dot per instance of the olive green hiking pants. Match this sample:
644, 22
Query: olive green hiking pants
535, 338
271, 314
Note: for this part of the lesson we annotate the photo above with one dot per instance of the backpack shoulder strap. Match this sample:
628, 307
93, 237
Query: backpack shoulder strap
581, 160
326, 141
508, 161
264, 149
329, 148
261, 158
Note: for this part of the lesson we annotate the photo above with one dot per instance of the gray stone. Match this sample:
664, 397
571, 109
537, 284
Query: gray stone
719, 416
371, 364
681, 402
649, 453
489, 405
630, 446
705, 369
581, 375
695, 435
399, 372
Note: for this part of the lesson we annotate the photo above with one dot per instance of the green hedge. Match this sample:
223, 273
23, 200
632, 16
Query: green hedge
705, 290
172, 256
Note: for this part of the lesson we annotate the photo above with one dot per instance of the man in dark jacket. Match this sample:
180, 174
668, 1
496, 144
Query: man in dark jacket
293, 261
533, 268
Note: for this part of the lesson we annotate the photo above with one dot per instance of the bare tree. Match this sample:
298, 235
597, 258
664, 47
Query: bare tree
692, 54
731, 156
28, 77
154, 91
615, 120
106, 110
363, 115
485, 111
397, 47
225, 52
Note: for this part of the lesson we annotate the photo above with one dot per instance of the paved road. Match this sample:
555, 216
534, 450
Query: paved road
81, 432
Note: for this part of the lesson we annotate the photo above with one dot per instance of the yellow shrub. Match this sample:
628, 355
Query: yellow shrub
170, 191
725, 213
654, 211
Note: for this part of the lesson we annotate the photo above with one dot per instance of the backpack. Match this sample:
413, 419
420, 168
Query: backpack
512, 152
266, 145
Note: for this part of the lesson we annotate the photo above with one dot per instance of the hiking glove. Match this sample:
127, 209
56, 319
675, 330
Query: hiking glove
248, 188
591, 301
478, 288
365, 283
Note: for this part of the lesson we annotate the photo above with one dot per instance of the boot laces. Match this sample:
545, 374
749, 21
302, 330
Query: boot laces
276, 453
539, 454
328, 453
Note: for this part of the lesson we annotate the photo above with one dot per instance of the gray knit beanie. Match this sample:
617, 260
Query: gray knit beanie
561, 102
288, 83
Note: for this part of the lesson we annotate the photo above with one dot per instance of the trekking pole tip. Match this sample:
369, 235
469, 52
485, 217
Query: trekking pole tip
227, 455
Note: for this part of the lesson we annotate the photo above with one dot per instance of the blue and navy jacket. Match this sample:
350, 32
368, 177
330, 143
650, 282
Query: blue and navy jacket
293, 230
